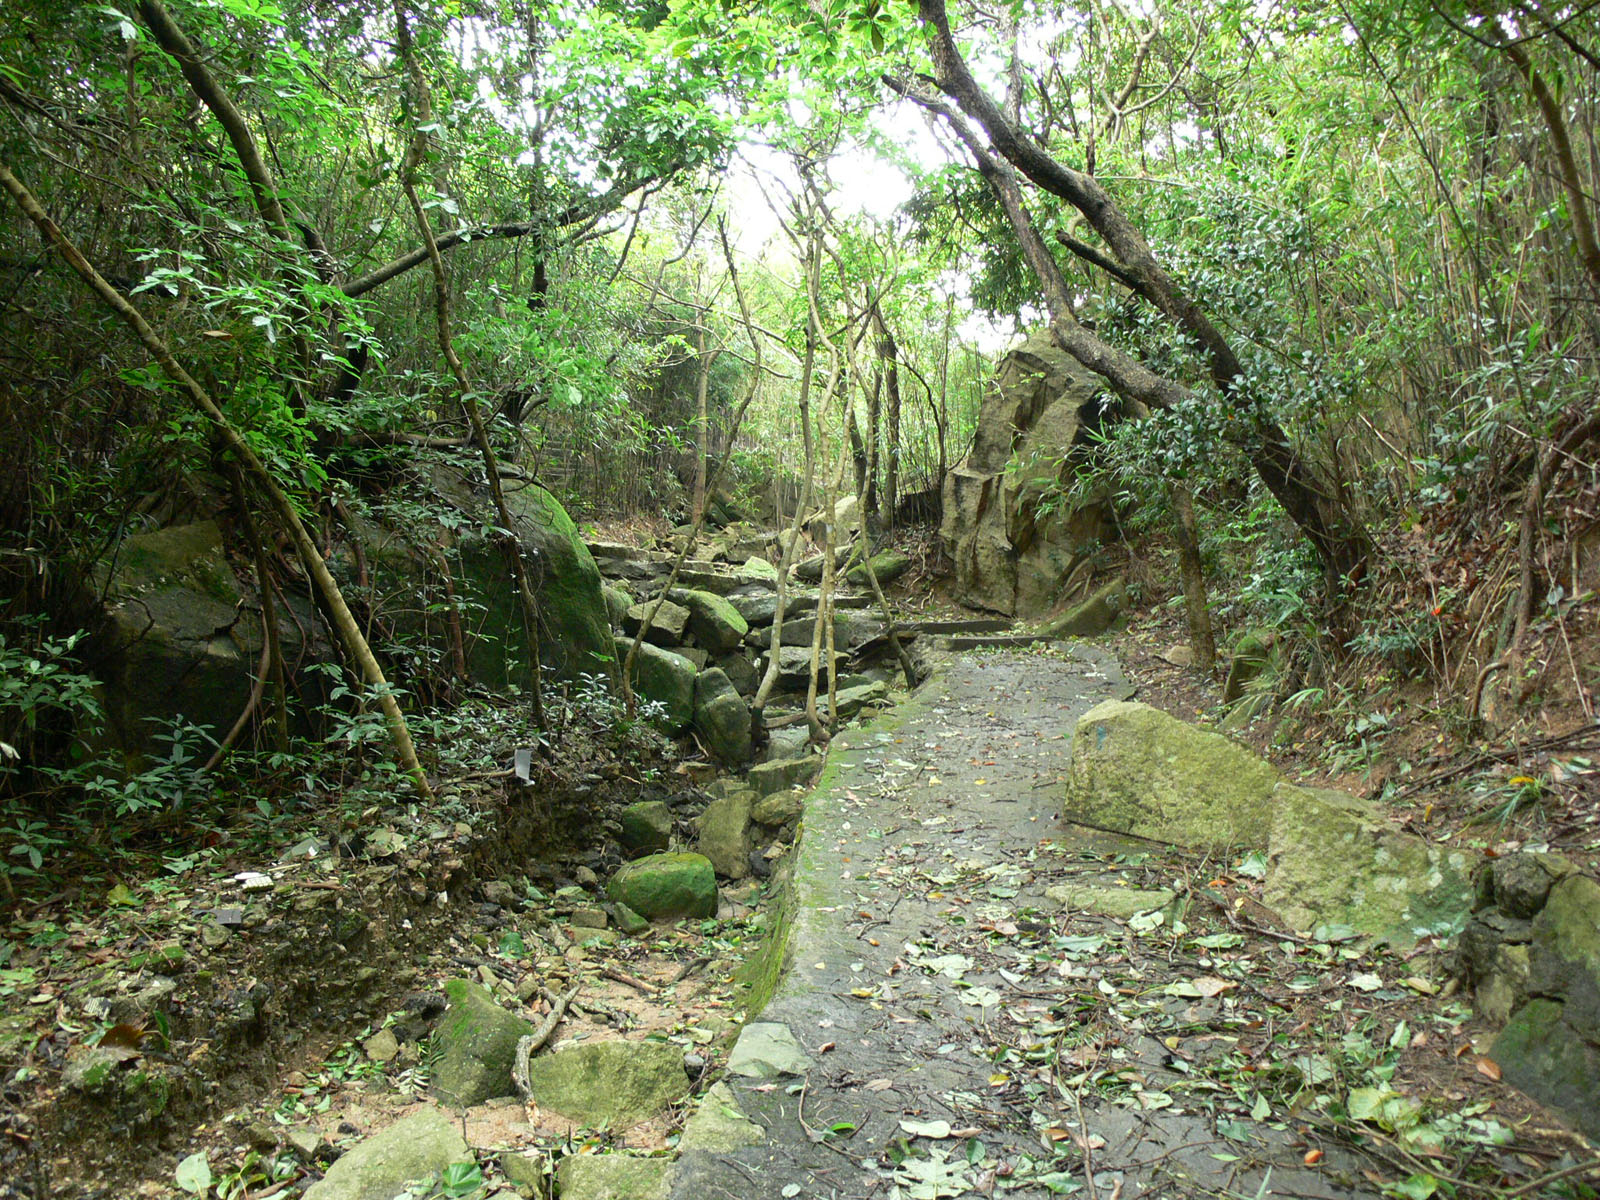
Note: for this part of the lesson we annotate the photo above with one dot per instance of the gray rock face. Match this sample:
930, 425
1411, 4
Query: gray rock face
725, 834
615, 1084
415, 1147
667, 886
1333, 861
475, 1047
666, 628
646, 826
618, 602
1136, 770
667, 678
852, 700
1012, 553
722, 718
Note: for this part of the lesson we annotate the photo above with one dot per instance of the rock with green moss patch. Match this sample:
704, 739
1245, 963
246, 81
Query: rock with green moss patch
618, 602
646, 826
714, 623
725, 833
416, 1147
475, 1047
1333, 861
718, 1125
1540, 1052
1565, 954
887, 565
666, 886
1136, 770
759, 570
722, 718
613, 1177
1103, 610
781, 774
615, 1084
666, 678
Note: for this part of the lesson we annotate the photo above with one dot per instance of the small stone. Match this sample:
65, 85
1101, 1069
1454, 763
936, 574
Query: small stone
214, 936
630, 922
228, 918
588, 918
306, 1143
694, 1063
528, 988
498, 892
766, 1050
524, 1170
1178, 656
585, 878
382, 1046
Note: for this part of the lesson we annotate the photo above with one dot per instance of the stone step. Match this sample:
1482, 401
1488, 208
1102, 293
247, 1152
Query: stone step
979, 641
969, 625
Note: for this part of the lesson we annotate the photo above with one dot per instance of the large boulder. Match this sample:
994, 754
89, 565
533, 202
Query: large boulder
1333, 861
416, 1147
1014, 545
174, 639
666, 886
1136, 770
614, 1084
475, 1047
722, 718
574, 625
1532, 956
714, 623
725, 833
666, 678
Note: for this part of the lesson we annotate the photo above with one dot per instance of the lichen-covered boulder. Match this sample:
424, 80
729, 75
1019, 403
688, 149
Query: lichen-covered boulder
172, 642
615, 1084
415, 1147
618, 602
714, 623
666, 678
1137, 770
722, 718
781, 774
725, 833
475, 1046
1333, 861
666, 886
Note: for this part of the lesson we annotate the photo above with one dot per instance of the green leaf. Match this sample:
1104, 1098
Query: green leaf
194, 1174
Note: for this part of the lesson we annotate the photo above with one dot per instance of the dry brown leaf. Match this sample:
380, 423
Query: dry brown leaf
1489, 1069
879, 1085
1312, 1158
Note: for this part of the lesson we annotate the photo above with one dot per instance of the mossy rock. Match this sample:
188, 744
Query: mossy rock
1105, 609
415, 1147
615, 1084
646, 826
714, 623
722, 718
887, 565
666, 678
1137, 770
725, 834
1539, 1052
613, 1177
667, 886
475, 1047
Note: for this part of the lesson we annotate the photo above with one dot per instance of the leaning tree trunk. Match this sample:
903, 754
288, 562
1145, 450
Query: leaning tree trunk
344, 621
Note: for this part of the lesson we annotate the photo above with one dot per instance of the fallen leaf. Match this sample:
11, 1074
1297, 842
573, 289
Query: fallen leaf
928, 1129
879, 1085
1313, 1157
1209, 986
1489, 1069
1366, 981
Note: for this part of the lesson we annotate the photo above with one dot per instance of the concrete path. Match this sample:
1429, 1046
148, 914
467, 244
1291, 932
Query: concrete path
958, 1031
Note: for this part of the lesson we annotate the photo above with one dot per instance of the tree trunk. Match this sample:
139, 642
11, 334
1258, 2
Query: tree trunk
889, 352
1201, 639
288, 515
